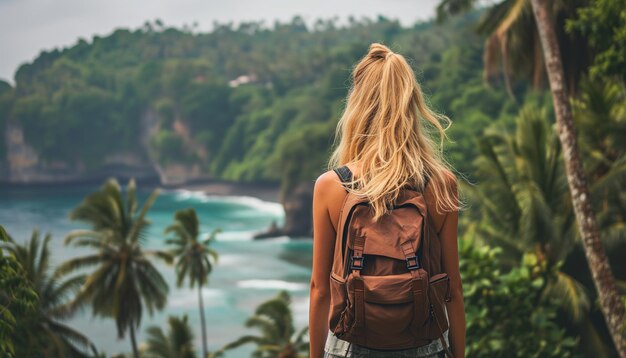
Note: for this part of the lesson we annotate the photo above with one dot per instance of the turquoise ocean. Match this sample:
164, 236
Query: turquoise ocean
248, 271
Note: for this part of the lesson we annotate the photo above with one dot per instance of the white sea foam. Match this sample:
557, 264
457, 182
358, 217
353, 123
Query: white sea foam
230, 259
188, 298
184, 194
272, 284
249, 201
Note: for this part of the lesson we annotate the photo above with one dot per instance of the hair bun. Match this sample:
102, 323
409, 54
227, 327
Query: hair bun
379, 51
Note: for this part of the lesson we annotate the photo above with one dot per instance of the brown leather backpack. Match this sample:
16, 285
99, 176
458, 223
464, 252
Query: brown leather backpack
388, 291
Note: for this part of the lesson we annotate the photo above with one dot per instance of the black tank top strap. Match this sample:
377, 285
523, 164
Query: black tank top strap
344, 173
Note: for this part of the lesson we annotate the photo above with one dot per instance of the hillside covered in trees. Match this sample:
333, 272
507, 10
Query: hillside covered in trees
241, 103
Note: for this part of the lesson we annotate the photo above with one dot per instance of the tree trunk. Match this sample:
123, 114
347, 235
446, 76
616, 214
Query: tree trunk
610, 302
205, 352
133, 340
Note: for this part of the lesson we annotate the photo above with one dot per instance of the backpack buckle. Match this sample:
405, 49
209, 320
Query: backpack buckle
413, 262
357, 262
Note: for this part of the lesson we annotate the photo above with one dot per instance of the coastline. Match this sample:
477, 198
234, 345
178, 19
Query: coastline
265, 192
262, 191
236, 288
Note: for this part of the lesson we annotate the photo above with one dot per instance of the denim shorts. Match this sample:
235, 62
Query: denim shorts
338, 348
390, 354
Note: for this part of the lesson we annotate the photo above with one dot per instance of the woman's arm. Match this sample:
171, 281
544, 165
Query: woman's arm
323, 250
450, 261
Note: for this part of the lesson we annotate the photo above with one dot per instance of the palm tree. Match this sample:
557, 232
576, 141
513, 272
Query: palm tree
277, 335
524, 199
177, 343
600, 114
610, 300
524, 206
45, 328
512, 45
509, 20
522, 191
193, 257
18, 298
124, 279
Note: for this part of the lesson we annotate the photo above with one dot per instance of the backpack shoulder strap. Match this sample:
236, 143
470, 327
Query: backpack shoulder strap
344, 174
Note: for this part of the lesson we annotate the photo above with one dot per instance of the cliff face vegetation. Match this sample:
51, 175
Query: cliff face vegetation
242, 103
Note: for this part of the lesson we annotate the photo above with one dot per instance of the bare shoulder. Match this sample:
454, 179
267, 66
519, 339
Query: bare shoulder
326, 181
328, 193
328, 185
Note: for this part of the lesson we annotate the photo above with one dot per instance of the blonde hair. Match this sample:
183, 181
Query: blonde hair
383, 131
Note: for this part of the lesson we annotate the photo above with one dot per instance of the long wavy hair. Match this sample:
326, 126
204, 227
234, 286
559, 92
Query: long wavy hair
385, 131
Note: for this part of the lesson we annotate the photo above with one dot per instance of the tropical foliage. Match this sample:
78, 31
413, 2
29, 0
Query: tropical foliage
124, 280
603, 24
18, 299
512, 48
539, 26
600, 113
277, 336
43, 331
522, 192
177, 342
507, 315
193, 257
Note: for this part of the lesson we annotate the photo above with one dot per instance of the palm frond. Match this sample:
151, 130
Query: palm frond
571, 293
267, 326
211, 237
242, 341
448, 8
157, 343
140, 222
179, 232
77, 341
181, 336
166, 256
79, 263
88, 234
131, 196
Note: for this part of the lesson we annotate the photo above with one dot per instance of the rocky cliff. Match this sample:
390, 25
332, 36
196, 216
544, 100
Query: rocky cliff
24, 166
298, 214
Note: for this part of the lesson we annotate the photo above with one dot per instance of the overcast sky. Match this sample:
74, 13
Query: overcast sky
29, 26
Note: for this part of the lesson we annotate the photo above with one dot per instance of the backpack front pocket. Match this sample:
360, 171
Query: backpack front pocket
389, 309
